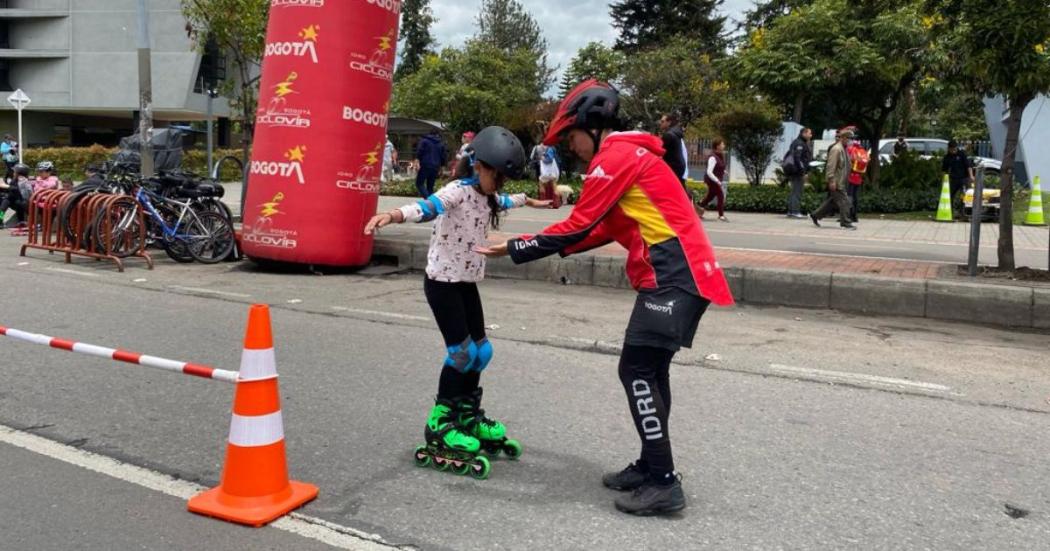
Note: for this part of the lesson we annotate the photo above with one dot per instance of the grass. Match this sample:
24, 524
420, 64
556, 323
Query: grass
1021, 204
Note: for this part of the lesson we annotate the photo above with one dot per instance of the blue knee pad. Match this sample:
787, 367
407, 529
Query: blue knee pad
485, 352
461, 357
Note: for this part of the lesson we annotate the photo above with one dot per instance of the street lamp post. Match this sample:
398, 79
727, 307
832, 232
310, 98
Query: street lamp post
212, 94
145, 91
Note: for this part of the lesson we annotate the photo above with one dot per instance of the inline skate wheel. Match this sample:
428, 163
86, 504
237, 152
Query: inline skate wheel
480, 468
441, 463
462, 469
422, 457
512, 449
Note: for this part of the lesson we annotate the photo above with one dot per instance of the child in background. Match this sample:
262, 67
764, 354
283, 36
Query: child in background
457, 428
549, 174
45, 177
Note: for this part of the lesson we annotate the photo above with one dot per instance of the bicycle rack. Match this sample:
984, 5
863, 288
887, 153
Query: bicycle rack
47, 231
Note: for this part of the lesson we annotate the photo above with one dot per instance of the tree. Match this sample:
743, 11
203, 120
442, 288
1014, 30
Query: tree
416, 20
595, 60
751, 129
860, 58
507, 25
645, 24
469, 88
766, 13
998, 48
238, 28
675, 78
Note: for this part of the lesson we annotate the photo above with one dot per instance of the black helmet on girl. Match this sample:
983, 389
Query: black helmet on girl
500, 149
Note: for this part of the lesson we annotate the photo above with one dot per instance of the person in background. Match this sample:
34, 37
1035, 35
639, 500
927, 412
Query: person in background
901, 147
16, 194
465, 141
674, 145
859, 159
958, 168
837, 172
535, 158
45, 177
389, 160
715, 178
431, 155
549, 174
9, 154
801, 155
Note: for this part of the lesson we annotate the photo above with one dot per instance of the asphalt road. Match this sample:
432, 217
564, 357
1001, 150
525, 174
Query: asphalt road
793, 429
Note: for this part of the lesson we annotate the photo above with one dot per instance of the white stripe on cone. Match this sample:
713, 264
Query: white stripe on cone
256, 431
258, 365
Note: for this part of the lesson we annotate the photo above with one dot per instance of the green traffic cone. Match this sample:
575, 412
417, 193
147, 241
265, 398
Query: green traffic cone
1035, 208
944, 209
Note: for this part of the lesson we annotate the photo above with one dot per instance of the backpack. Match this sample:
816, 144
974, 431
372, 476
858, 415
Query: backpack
859, 159
788, 164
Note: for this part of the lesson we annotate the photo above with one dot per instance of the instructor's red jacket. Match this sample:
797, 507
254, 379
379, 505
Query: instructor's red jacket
632, 197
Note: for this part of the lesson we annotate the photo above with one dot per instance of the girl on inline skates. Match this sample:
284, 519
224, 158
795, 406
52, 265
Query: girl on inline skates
457, 428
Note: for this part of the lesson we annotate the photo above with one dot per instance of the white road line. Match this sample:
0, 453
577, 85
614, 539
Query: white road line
337, 536
393, 315
859, 378
73, 272
208, 291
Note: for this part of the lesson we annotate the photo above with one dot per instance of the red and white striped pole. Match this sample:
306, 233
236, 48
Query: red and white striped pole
143, 360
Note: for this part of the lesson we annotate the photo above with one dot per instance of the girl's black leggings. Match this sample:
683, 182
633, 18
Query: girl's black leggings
460, 318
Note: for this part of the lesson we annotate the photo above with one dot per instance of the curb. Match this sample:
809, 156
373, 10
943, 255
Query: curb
1000, 305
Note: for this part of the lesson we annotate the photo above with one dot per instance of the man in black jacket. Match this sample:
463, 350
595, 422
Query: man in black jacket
674, 148
801, 155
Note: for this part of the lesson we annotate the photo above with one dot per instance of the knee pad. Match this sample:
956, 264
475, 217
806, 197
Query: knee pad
485, 353
461, 357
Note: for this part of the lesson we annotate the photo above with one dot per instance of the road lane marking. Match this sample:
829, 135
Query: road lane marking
335, 535
859, 378
393, 315
208, 291
73, 272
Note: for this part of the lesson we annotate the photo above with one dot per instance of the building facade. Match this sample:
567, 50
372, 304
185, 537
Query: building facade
77, 60
1033, 151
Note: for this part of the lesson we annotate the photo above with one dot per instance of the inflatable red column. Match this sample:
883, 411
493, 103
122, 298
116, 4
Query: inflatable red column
320, 130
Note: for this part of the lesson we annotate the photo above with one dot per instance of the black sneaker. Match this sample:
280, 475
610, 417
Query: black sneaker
631, 478
848, 226
653, 499
815, 221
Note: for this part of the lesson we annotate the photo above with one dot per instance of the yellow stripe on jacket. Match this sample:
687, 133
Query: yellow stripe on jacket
636, 205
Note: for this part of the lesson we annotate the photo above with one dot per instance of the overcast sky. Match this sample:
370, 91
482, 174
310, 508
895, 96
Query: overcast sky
567, 24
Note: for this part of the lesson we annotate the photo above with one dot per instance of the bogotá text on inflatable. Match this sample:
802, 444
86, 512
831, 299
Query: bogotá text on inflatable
292, 167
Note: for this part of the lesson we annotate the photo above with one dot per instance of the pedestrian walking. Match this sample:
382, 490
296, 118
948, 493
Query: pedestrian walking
389, 160
674, 145
9, 154
796, 168
859, 159
464, 144
457, 429
900, 147
631, 196
837, 172
959, 170
431, 155
535, 158
549, 175
715, 178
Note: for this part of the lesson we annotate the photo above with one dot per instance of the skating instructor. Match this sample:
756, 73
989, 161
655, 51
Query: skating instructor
632, 197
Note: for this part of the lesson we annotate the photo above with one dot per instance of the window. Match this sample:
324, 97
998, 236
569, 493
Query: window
5, 75
887, 149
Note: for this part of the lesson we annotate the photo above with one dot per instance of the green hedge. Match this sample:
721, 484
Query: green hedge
71, 161
745, 198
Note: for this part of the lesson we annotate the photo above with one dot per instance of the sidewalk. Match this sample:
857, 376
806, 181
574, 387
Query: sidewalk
888, 267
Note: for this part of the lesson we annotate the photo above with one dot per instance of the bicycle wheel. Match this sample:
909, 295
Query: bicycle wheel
215, 241
124, 229
174, 246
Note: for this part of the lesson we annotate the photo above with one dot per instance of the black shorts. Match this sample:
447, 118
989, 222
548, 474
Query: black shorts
665, 318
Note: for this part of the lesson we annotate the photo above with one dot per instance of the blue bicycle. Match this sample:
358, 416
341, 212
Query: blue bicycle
187, 230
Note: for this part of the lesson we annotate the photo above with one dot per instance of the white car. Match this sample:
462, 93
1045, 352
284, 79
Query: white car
930, 148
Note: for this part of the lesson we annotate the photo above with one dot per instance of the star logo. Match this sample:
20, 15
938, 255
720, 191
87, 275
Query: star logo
296, 154
310, 33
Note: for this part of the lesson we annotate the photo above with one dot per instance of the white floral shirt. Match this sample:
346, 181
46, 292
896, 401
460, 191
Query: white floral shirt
462, 220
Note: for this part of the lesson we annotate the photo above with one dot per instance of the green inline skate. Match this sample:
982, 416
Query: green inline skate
449, 446
490, 433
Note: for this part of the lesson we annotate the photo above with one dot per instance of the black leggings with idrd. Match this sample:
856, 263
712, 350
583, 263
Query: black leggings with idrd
645, 374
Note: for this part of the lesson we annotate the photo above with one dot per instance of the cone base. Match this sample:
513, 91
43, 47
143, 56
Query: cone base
1038, 225
251, 511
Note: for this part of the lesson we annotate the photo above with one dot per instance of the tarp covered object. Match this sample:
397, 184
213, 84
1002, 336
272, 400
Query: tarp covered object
320, 130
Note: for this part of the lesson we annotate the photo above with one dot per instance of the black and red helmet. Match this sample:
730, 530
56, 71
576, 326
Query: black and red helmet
593, 105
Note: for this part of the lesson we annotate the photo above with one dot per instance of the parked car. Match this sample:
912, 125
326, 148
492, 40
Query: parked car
933, 148
989, 205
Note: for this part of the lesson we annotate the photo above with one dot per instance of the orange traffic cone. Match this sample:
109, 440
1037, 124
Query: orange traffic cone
255, 489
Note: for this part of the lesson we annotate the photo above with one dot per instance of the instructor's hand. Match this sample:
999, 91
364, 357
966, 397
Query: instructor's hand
493, 251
